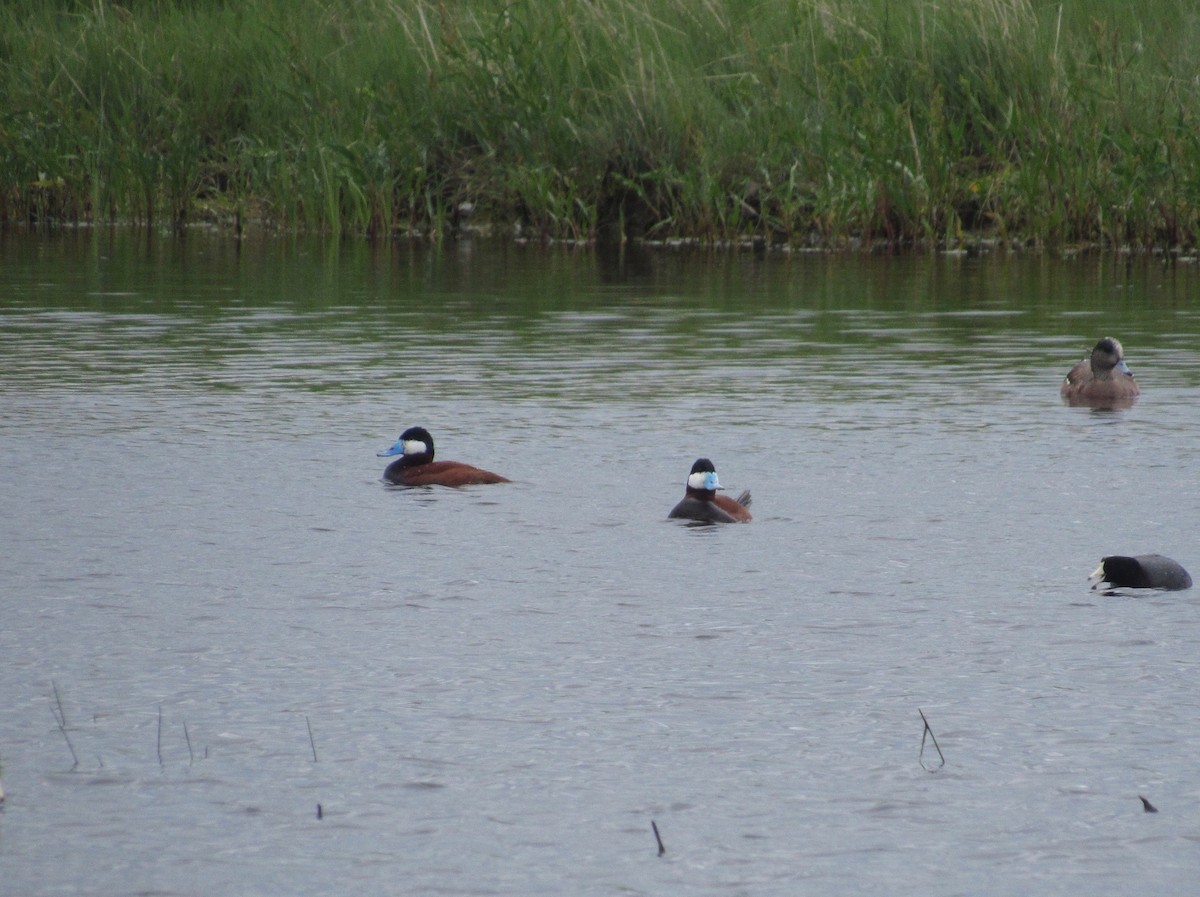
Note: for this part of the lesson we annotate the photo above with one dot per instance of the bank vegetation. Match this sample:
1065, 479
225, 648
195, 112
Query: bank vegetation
799, 123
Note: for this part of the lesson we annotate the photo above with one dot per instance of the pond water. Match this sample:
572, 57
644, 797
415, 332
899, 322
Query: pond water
217, 618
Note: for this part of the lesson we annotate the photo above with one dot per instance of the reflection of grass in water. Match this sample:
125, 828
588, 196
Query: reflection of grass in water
277, 312
800, 121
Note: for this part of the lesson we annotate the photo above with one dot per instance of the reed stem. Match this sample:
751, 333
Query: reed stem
929, 732
61, 718
311, 741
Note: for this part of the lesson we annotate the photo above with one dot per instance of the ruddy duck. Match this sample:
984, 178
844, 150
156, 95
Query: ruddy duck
1145, 571
416, 466
1103, 378
701, 502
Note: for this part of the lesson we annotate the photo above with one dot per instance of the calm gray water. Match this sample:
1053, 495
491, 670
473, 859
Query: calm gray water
506, 685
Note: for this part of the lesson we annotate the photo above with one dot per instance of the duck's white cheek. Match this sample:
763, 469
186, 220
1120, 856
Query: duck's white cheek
704, 479
415, 447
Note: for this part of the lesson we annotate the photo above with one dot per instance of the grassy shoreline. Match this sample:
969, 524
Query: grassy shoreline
799, 123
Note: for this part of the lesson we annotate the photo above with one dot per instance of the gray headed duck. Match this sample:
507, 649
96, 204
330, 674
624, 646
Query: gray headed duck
1102, 378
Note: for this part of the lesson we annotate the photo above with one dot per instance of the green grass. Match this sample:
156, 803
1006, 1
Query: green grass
806, 122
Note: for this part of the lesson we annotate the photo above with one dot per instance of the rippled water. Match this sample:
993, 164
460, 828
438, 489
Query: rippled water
505, 685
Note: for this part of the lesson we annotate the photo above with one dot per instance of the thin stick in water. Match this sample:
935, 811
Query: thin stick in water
188, 739
658, 838
320, 812
61, 717
928, 731
1147, 807
311, 742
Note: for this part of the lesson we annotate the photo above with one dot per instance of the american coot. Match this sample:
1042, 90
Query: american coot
1145, 571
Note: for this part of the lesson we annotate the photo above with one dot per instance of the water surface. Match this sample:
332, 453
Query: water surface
505, 685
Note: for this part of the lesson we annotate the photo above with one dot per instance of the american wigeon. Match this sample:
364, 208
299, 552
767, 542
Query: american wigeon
1101, 378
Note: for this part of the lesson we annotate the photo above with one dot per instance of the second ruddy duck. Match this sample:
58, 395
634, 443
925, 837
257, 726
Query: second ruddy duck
416, 466
1102, 378
701, 502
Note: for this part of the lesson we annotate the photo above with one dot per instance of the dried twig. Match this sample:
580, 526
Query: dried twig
928, 731
658, 838
61, 717
311, 742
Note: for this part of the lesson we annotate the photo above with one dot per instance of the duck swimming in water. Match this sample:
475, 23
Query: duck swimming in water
416, 466
701, 502
1101, 378
1144, 571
